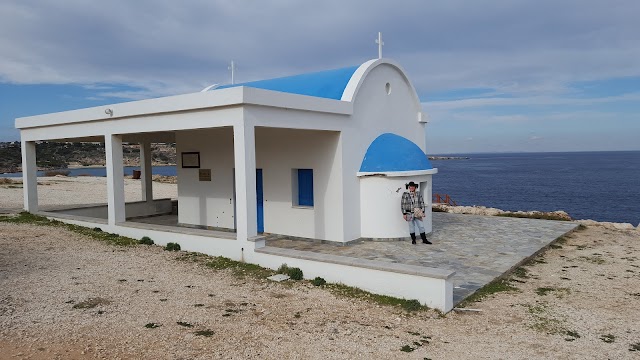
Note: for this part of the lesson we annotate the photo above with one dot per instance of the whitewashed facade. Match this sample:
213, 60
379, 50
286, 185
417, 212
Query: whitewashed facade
255, 141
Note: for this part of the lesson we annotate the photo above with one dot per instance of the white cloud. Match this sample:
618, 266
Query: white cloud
451, 105
526, 54
169, 47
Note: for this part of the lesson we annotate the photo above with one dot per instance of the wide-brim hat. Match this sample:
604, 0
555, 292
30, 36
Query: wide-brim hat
411, 184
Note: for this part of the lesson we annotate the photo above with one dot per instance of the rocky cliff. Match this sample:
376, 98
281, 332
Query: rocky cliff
55, 155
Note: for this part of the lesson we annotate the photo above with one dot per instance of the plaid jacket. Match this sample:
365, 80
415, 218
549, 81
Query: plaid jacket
405, 204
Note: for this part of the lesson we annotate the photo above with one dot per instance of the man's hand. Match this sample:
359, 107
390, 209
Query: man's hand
405, 216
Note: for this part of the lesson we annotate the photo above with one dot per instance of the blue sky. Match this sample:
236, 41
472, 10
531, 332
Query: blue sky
493, 75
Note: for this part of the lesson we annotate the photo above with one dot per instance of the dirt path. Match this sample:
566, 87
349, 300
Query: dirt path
65, 296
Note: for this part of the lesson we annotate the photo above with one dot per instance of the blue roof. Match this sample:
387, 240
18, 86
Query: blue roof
391, 152
328, 84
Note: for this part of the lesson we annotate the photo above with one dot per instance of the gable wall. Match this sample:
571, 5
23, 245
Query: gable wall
376, 112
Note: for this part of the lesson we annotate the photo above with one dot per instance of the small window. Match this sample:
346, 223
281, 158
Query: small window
303, 187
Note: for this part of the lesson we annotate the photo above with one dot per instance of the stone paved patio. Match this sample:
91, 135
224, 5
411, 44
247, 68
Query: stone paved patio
477, 248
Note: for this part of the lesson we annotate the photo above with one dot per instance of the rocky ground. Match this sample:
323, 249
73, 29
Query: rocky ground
67, 296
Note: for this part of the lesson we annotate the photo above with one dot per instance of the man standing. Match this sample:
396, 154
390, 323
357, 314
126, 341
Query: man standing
412, 206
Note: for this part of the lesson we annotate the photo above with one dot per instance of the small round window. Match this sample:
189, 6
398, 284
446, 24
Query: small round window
387, 88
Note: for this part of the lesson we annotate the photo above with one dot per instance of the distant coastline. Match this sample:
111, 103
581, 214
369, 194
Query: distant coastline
449, 158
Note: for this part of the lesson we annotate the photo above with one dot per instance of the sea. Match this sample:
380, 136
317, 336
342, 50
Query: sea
602, 186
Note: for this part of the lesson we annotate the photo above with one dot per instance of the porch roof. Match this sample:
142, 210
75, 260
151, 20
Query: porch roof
211, 100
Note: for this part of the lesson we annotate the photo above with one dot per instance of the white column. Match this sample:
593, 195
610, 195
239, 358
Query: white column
145, 168
245, 162
29, 176
115, 179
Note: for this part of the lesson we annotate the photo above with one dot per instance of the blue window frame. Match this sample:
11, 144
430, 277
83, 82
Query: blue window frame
305, 187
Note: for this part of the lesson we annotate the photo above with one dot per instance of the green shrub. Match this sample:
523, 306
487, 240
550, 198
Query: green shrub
491, 288
172, 247
240, 269
318, 281
521, 273
411, 305
283, 269
97, 229
146, 241
295, 273
356, 293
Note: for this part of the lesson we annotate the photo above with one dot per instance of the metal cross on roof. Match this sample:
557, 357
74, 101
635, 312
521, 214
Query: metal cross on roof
232, 67
380, 43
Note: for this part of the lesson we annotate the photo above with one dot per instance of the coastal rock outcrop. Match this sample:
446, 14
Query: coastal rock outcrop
551, 215
482, 210
607, 225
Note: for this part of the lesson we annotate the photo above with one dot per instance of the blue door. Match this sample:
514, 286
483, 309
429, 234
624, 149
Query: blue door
259, 199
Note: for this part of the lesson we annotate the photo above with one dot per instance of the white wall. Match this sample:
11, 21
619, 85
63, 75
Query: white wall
426, 188
376, 112
132, 209
380, 204
206, 203
278, 151
433, 291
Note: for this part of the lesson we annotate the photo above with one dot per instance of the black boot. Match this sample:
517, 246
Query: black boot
424, 238
413, 238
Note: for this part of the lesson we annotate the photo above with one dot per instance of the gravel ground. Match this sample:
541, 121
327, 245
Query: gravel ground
577, 301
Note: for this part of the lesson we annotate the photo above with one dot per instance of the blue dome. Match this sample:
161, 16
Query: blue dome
328, 84
391, 152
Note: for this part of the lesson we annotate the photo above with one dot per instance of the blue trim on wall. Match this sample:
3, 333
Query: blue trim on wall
259, 201
305, 187
328, 84
391, 152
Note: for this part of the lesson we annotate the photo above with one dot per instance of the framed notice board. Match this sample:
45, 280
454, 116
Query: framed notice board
190, 159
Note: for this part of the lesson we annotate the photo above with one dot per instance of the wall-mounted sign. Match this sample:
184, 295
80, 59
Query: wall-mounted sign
204, 174
190, 159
